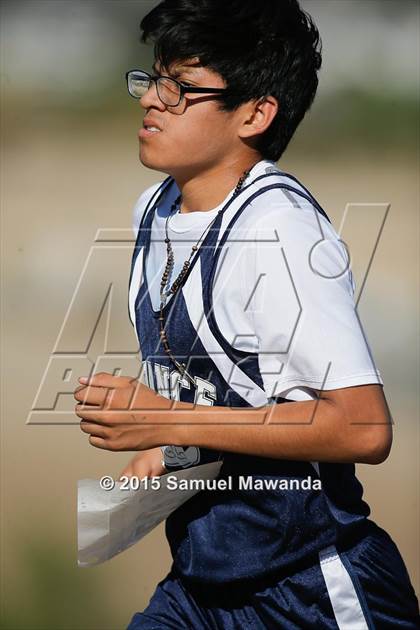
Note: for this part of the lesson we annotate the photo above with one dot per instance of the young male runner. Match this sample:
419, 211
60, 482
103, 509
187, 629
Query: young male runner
242, 302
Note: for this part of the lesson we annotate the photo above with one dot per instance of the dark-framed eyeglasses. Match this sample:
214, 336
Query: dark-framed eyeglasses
170, 91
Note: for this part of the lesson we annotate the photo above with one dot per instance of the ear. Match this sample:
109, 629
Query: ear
258, 116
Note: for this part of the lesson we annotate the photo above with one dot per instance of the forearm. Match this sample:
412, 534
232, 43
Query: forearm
350, 424
317, 430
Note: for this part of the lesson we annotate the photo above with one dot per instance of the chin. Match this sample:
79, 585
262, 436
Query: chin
149, 162
154, 163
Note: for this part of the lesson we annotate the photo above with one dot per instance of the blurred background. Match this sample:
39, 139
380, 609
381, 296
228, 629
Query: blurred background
69, 167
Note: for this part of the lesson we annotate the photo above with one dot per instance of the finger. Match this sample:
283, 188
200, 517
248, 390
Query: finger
130, 472
107, 418
98, 442
104, 379
93, 429
92, 395
95, 379
141, 470
94, 414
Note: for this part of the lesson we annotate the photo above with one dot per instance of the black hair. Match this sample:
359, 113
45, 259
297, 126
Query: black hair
262, 48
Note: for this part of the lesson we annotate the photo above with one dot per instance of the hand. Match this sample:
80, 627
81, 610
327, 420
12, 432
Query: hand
120, 414
145, 464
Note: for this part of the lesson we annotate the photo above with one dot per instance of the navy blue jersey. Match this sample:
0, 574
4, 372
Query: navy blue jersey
221, 536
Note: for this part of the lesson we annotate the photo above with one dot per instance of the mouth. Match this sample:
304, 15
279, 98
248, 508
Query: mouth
148, 130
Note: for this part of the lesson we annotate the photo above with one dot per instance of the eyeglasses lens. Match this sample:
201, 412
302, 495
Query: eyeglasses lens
168, 90
138, 84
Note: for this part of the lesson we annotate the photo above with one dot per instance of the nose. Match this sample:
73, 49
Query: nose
151, 99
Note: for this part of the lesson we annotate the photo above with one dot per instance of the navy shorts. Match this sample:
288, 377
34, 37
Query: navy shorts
358, 587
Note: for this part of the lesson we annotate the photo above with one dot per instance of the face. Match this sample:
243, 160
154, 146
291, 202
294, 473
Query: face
194, 135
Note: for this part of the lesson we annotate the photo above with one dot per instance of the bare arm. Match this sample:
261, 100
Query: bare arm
343, 425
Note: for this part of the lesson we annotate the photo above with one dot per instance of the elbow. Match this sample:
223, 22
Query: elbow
365, 414
377, 444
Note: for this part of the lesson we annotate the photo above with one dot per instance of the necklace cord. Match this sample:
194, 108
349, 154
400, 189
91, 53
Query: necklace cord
179, 280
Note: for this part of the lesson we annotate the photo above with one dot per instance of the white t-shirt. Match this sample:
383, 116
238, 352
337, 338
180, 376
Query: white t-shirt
283, 289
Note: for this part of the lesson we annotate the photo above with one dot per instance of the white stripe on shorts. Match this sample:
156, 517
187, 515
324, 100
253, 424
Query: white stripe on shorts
344, 600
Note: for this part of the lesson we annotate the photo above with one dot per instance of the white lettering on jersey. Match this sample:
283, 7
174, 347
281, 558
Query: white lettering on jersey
205, 393
169, 384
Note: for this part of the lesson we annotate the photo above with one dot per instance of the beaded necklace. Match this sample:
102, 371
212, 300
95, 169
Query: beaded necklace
179, 280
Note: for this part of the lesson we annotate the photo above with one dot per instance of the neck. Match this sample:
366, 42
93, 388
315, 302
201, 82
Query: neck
207, 189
